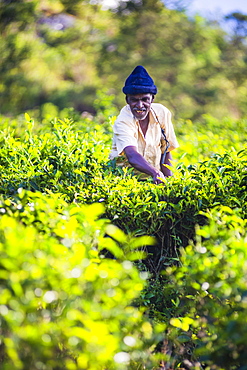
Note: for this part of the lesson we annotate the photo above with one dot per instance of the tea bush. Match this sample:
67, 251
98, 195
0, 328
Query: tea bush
211, 290
70, 190
62, 304
75, 164
200, 140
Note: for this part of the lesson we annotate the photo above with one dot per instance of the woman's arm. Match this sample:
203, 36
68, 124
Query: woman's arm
137, 161
166, 171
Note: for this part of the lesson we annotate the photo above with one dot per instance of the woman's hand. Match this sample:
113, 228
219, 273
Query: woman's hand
159, 178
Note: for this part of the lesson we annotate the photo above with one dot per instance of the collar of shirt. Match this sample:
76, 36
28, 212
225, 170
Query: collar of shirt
152, 121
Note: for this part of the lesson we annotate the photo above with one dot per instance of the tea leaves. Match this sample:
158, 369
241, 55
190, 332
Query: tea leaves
85, 246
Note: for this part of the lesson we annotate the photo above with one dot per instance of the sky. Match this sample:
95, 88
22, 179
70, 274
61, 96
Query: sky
217, 7
207, 8
210, 9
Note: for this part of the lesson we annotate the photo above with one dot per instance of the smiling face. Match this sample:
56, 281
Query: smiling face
140, 105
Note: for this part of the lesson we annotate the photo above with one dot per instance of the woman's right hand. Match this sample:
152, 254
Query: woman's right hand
159, 178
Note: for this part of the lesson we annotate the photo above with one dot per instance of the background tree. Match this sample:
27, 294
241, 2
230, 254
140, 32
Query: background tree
63, 52
184, 56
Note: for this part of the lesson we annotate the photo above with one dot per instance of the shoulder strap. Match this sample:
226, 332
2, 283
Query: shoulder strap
164, 138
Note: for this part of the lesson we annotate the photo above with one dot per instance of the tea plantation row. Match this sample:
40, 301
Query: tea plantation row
172, 293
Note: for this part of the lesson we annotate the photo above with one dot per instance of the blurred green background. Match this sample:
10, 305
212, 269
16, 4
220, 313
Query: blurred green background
66, 51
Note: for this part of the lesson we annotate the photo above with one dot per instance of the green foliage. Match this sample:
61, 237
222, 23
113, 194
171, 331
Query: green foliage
199, 141
74, 163
50, 161
73, 230
84, 48
62, 304
49, 44
211, 284
99, 270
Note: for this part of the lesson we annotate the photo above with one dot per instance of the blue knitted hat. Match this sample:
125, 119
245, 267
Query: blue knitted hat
139, 82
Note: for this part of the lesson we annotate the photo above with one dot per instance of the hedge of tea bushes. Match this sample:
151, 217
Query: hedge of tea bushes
62, 304
211, 292
74, 164
200, 140
58, 186
58, 290
170, 211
